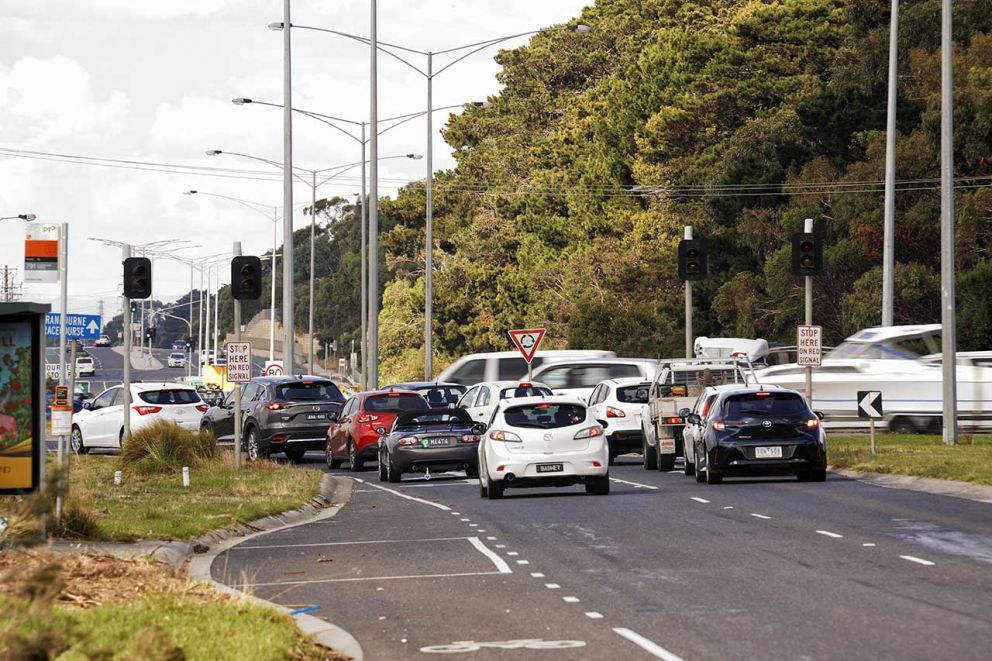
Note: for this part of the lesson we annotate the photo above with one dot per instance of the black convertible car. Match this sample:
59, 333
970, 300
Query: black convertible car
436, 439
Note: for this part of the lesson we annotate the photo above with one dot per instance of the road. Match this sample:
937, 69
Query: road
661, 568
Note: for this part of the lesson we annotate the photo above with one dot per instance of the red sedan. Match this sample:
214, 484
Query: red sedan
354, 435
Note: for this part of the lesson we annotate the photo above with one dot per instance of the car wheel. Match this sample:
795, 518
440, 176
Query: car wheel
392, 474
818, 475
666, 462
483, 491
472, 471
255, 451
598, 486
712, 477
902, 426
356, 464
494, 490
650, 458
76, 441
383, 475
700, 466
613, 451
295, 455
687, 468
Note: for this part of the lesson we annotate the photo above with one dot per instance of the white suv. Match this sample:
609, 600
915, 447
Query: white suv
543, 442
101, 422
177, 359
481, 401
621, 403
85, 366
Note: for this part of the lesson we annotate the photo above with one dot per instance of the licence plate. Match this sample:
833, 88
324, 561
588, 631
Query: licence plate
768, 453
550, 468
316, 416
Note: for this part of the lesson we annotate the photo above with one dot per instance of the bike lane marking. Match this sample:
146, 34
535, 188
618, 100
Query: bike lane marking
646, 644
489, 553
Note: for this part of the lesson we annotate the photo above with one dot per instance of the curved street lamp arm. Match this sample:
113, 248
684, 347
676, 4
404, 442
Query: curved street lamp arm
490, 42
245, 203
275, 164
382, 46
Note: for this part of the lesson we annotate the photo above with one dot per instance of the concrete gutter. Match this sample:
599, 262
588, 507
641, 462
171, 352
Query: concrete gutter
955, 488
201, 552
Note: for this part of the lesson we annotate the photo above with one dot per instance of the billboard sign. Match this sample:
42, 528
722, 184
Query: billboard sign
41, 253
20, 424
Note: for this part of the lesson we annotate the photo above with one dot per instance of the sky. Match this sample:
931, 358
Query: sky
153, 81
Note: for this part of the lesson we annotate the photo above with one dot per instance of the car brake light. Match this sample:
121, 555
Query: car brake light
525, 385
471, 438
813, 423
614, 413
275, 406
408, 440
145, 410
673, 421
367, 418
202, 408
505, 436
589, 432
762, 394
719, 425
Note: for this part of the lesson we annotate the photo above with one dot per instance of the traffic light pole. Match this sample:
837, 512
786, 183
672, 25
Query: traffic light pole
808, 229
128, 333
237, 387
688, 304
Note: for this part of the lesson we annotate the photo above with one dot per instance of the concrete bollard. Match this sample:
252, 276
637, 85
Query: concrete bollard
186, 476
118, 478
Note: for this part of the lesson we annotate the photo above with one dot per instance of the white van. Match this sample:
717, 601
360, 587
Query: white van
578, 377
507, 365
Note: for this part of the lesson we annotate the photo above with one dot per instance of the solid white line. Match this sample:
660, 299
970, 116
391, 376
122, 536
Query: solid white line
634, 484
372, 578
552, 586
829, 534
647, 645
413, 498
571, 600
759, 516
921, 561
435, 485
371, 541
593, 615
698, 500
489, 553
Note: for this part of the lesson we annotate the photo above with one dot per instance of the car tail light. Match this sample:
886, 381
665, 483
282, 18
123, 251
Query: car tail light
596, 464
762, 394
614, 413
813, 423
367, 418
146, 410
471, 438
202, 408
279, 439
673, 421
589, 432
505, 436
719, 425
408, 440
275, 406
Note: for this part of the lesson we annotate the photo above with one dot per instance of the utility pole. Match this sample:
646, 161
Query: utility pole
63, 366
372, 371
889, 227
288, 318
947, 270
429, 231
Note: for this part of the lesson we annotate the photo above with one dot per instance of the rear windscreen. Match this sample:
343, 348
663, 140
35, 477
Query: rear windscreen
633, 394
438, 396
530, 391
395, 403
170, 397
545, 416
775, 405
309, 391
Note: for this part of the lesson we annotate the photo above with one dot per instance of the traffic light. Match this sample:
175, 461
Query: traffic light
246, 278
137, 277
807, 254
692, 259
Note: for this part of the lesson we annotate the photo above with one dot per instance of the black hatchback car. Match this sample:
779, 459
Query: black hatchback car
288, 414
439, 439
759, 431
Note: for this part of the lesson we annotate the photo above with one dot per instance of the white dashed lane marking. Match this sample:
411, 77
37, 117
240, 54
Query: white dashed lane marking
647, 645
759, 516
593, 615
827, 533
523, 562
552, 586
699, 500
536, 574
634, 484
868, 544
919, 561
570, 600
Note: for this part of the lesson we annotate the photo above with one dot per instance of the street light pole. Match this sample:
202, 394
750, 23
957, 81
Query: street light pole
313, 229
365, 274
889, 227
429, 230
947, 270
373, 326
288, 321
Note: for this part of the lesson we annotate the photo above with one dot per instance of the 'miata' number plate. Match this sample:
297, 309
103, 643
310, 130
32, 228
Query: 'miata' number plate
432, 442
768, 453
550, 468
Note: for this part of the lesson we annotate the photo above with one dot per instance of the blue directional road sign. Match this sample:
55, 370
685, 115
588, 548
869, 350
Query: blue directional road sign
77, 326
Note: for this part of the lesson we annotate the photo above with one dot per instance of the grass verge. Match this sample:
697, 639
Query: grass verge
90, 607
157, 506
916, 455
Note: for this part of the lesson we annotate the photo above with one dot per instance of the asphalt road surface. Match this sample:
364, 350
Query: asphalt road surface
663, 567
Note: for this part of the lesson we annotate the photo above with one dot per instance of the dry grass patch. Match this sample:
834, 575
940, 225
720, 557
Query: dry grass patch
915, 454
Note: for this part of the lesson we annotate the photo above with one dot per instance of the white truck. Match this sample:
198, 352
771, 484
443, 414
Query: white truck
676, 387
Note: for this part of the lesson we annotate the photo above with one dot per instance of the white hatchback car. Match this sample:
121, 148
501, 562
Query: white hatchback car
101, 422
177, 359
621, 402
543, 442
480, 401
85, 366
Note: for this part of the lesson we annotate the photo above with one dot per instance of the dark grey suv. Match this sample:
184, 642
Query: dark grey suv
287, 414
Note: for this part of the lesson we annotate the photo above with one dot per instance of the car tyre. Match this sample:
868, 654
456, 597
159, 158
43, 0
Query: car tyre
255, 451
76, 441
712, 477
295, 455
472, 471
650, 458
598, 486
688, 468
483, 491
356, 464
818, 475
392, 474
494, 491
700, 468
383, 475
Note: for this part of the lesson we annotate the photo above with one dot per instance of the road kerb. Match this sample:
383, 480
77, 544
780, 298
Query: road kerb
955, 488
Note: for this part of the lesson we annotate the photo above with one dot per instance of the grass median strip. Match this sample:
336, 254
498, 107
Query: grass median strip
916, 455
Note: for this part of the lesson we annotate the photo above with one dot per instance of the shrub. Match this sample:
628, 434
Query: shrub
165, 447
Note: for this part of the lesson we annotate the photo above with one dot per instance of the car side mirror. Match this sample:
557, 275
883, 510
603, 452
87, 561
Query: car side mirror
684, 412
819, 414
380, 430
603, 423
88, 406
479, 428
694, 419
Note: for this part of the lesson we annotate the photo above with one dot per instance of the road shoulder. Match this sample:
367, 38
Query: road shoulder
966, 490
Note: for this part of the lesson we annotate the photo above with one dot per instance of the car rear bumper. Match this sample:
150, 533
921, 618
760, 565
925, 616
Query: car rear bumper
735, 459
278, 437
411, 458
624, 440
524, 472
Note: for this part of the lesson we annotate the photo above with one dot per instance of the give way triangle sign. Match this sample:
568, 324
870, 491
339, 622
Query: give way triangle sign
527, 340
